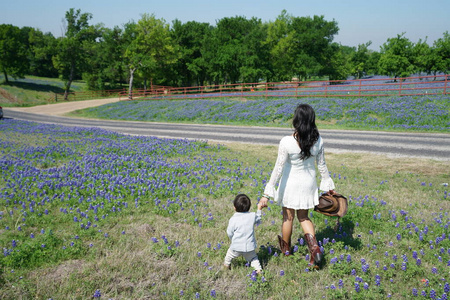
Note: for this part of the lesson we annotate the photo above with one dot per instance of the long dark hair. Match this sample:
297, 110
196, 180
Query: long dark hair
306, 132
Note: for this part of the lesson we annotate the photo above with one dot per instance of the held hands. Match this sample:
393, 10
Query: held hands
262, 202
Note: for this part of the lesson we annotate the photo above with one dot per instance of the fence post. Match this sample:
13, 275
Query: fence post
267, 86
56, 97
359, 91
445, 86
400, 87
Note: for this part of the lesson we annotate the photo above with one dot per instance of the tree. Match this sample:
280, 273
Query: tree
42, 48
338, 65
442, 48
150, 48
282, 45
71, 59
235, 50
396, 58
314, 37
255, 64
13, 52
359, 60
372, 62
191, 66
106, 69
301, 46
425, 58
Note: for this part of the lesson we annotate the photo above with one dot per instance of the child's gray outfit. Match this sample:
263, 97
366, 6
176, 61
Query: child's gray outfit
242, 235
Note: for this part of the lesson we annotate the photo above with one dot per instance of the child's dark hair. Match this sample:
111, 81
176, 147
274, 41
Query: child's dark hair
242, 203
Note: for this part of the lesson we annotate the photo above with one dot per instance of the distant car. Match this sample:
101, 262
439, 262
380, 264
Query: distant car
1, 112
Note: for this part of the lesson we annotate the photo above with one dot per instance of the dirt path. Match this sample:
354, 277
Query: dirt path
59, 109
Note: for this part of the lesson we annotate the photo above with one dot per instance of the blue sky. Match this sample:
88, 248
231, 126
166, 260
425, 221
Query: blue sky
359, 21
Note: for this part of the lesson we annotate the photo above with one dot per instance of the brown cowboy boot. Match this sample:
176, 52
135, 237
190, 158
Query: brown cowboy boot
314, 250
284, 247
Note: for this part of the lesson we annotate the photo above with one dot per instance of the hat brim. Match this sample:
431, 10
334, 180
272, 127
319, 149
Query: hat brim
343, 206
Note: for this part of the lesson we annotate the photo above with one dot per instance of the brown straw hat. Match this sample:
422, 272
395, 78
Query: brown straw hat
332, 204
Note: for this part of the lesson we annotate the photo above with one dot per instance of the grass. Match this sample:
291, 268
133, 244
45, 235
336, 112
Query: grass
422, 113
33, 90
89, 213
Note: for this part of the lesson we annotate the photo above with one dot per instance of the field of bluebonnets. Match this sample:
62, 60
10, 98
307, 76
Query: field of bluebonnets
87, 213
422, 113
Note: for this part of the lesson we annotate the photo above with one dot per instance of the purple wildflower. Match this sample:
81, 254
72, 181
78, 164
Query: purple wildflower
377, 280
365, 268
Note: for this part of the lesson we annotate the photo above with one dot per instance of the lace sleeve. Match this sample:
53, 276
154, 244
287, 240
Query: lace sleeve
277, 171
326, 182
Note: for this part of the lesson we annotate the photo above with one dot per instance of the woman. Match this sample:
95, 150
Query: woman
297, 189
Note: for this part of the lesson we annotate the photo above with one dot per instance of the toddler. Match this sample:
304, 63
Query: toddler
241, 232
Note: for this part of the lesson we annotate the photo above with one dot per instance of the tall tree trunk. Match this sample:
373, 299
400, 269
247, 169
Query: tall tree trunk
6, 77
69, 83
130, 86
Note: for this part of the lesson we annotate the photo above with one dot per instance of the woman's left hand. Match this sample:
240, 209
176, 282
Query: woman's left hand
263, 201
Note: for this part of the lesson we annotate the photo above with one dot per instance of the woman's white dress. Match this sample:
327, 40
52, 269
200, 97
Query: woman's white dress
297, 188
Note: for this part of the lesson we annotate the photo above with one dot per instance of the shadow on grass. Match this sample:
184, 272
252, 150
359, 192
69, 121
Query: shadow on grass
35, 87
344, 233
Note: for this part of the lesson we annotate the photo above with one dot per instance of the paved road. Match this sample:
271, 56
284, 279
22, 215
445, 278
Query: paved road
422, 145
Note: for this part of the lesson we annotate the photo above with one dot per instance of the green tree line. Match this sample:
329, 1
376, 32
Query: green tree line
237, 49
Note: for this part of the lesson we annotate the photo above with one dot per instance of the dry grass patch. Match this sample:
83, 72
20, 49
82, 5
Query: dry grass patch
366, 162
375, 162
